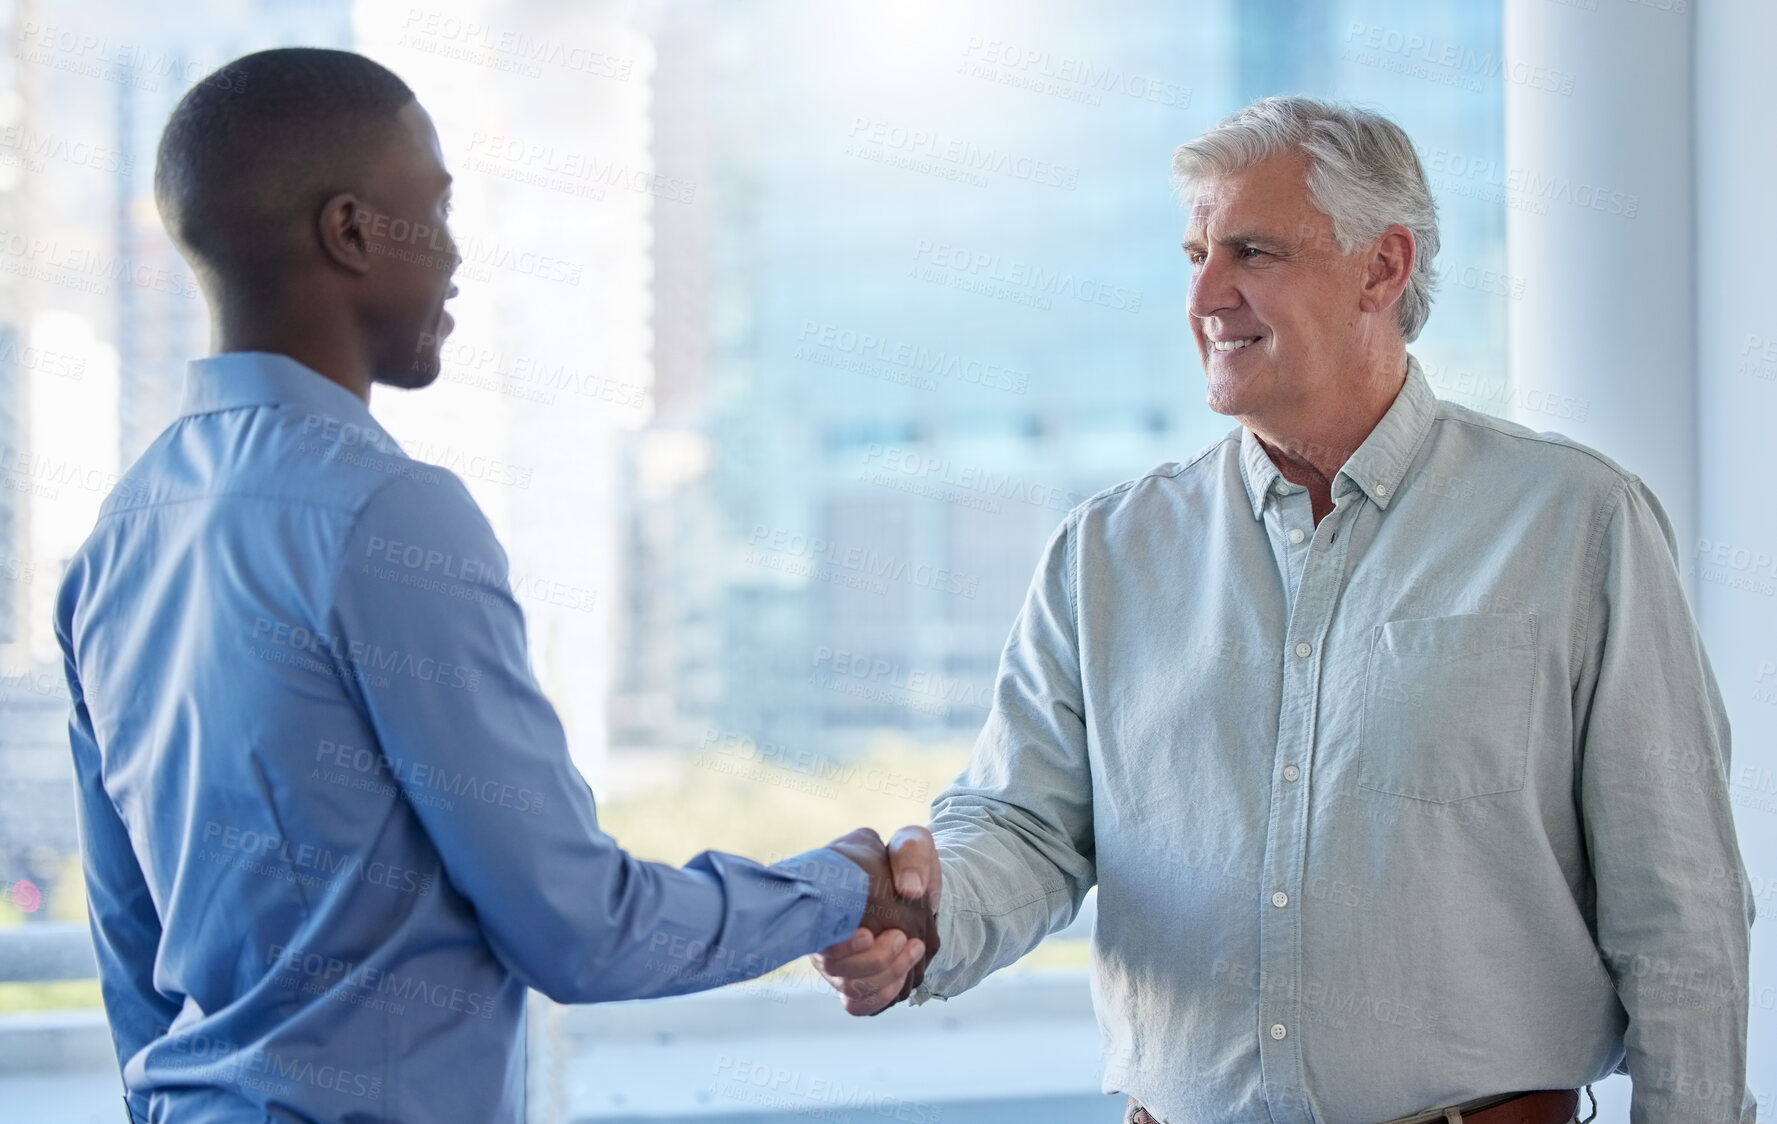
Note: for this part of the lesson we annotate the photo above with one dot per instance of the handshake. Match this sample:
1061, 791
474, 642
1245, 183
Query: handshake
887, 957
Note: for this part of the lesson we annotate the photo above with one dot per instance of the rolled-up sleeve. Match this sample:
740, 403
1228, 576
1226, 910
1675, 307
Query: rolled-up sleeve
438, 656
1673, 909
1014, 831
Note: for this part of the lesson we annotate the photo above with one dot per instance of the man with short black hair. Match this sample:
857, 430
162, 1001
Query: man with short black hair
330, 827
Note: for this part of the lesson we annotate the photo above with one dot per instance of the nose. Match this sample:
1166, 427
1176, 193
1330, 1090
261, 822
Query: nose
1212, 286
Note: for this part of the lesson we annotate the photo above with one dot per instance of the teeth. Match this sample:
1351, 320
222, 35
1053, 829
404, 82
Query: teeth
1233, 345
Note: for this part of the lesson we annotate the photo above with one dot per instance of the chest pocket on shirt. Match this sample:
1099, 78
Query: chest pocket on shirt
1447, 706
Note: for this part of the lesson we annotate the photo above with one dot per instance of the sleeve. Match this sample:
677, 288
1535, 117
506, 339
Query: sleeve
125, 924
1673, 909
430, 633
1014, 831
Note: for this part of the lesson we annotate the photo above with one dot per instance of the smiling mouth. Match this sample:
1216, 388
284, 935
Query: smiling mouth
1233, 345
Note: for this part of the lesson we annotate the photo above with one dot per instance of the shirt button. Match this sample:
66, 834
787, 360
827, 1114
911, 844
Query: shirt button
1381, 489
1303, 650
1296, 534
1277, 1031
1291, 773
1280, 487
1280, 899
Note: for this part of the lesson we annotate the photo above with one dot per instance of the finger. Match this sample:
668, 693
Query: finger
857, 942
860, 969
872, 988
880, 959
864, 979
864, 837
913, 856
871, 962
868, 997
881, 991
911, 955
877, 1002
915, 972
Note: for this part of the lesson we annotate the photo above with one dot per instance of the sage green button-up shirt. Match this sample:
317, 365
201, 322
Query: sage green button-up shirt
1422, 803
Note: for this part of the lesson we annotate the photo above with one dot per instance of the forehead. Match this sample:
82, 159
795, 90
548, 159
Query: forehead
1271, 195
418, 149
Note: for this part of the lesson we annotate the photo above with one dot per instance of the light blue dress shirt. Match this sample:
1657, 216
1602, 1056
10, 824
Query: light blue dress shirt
1424, 803
330, 825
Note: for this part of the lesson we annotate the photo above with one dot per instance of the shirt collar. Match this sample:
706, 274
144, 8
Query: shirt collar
1378, 465
238, 379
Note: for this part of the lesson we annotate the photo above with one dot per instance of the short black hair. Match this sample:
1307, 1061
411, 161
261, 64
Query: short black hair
258, 146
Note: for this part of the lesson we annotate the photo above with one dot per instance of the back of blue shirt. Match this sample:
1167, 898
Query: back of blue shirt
331, 829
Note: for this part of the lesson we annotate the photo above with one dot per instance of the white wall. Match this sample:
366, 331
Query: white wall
1663, 323
1598, 226
1736, 302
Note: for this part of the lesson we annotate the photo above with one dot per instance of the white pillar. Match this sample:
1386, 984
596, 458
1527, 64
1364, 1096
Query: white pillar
1599, 229
1736, 544
1659, 322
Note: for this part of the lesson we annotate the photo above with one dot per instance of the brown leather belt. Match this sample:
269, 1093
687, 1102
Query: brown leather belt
1545, 1106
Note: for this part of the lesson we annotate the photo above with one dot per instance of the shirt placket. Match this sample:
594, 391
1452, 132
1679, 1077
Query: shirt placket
1289, 524
1315, 568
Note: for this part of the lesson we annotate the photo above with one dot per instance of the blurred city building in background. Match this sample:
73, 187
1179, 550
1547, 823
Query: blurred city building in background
788, 333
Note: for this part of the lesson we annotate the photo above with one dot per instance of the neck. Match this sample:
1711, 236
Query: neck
311, 337
1311, 447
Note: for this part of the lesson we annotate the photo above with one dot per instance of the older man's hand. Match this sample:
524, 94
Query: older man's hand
886, 958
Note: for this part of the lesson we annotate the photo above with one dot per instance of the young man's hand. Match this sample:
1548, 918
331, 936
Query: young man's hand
886, 958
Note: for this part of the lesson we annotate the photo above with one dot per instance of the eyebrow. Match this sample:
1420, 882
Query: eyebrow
1238, 238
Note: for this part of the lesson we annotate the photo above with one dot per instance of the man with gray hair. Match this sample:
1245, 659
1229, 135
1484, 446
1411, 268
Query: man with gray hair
1382, 726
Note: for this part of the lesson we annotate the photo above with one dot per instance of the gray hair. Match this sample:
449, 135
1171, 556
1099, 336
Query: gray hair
1362, 172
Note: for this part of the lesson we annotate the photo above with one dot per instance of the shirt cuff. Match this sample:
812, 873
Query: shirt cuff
947, 950
839, 885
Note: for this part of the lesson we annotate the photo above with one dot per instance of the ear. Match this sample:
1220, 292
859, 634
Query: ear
1387, 269
343, 228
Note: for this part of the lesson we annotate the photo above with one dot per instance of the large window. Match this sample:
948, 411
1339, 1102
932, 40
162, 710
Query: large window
789, 330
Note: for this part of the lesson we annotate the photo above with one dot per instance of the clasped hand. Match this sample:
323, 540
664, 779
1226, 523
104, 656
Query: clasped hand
886, 958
